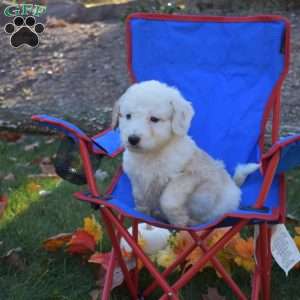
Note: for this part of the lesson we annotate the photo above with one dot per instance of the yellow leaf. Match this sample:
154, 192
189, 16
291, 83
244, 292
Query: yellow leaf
225, 260
180, 241
92, 227
247, 264
142, 242
297, 241
297, 229
238, 260
33, 187
165, 257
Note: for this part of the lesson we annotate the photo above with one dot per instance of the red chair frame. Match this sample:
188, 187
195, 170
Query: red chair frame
262, 273
115, 222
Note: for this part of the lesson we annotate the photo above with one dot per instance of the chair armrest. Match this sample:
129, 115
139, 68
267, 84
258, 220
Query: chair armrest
61, 125
110, 140
107, 142
289, 149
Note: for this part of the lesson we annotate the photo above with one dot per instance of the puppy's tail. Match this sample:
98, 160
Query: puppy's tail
242, 171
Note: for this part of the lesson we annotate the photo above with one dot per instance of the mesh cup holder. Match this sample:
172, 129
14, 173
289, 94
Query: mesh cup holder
68, 163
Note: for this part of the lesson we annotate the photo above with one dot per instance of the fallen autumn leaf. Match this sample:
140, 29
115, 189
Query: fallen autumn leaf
31, 146
57, 241
81, 243
13, 259
3, 204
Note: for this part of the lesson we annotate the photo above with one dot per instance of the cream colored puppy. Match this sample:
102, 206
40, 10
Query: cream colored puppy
171, 177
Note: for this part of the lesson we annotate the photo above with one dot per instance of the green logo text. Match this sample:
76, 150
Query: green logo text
25, 10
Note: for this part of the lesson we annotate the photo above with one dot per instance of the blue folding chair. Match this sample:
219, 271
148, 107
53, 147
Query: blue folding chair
232, 70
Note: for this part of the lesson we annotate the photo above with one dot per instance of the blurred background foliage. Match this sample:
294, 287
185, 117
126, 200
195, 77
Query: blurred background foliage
171, 6
195, 6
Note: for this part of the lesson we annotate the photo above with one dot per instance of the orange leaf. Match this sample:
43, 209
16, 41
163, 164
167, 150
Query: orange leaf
180, 241
244, 248
33, 187
297, 229
9, 136
53, 22
101, 259
81, 243
29, 73
244, 254
297, 266
194, 256
218, 234
3, 204
297, 241
56, 242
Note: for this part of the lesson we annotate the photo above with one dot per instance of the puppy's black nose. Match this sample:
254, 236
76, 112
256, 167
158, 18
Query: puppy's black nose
133, 140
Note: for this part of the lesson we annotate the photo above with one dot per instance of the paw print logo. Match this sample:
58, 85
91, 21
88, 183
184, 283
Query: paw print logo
24, 32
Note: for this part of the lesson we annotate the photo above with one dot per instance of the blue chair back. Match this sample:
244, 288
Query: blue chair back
227, 68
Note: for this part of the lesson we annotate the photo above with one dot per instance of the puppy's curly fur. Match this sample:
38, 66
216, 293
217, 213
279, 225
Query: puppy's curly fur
168, 172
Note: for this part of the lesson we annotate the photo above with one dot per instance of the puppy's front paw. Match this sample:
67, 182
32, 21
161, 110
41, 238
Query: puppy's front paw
143, 209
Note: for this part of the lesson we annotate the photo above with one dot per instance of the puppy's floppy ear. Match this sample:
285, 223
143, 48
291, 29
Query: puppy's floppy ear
182, 115
115, 115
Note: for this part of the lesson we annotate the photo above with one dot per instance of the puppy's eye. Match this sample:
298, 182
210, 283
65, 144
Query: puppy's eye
154, 119
128, 116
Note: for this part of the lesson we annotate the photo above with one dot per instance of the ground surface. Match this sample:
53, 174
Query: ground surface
41, 206
79, 70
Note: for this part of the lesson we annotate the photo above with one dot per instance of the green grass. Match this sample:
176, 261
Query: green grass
31, 218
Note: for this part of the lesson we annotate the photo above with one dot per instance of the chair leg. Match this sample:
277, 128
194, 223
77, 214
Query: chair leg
181, 257
256, 284
190, 273
266, 260
109, 277
219, 268
165, 286
135, 271
118, 254
256, 276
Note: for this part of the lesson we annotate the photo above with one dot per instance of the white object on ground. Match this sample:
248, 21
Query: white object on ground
153, 238
101, 175
283, 248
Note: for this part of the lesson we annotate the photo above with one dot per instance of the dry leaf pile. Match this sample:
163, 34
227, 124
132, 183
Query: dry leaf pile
84, 241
